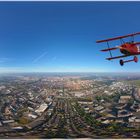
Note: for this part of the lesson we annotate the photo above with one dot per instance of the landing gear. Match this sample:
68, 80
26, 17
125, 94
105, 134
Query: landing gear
135, 59
121, 62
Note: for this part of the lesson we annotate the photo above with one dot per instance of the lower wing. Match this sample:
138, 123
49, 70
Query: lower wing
110, 58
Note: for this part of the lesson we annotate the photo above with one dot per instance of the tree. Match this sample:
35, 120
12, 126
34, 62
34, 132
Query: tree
23, 120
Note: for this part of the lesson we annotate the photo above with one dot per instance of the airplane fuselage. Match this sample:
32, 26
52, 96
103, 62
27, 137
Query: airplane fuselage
130, 49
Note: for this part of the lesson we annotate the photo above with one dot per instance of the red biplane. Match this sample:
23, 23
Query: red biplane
130, 48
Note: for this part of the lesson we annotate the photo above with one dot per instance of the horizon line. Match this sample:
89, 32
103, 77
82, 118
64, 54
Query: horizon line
66, 72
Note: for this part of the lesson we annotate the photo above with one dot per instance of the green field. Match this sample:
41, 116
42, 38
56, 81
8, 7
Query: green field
133, 82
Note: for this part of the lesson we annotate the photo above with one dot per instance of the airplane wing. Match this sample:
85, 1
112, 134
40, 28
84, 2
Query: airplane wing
115, 38
116, 57
109, 49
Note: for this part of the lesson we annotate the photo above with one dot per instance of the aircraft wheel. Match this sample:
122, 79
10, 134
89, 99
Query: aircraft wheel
121, 62
135, 59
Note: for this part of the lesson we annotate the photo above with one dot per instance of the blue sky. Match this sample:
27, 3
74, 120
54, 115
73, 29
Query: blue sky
61, 36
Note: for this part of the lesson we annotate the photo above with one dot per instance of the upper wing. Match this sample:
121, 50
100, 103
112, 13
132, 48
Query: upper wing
115, 38
117, 57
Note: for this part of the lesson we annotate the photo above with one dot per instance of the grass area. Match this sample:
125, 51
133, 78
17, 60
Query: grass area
133, 82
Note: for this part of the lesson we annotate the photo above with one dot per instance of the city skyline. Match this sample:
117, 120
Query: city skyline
61, 36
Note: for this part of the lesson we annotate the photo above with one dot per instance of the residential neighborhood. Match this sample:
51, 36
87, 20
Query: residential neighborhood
39, 106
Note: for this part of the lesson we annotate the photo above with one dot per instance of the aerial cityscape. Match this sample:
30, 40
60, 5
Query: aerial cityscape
54, 80
70, 105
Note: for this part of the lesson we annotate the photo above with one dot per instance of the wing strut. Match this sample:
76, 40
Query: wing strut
109, 49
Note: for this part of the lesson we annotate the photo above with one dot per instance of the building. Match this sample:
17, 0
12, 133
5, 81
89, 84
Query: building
124, 113
134, 122
124, 99
42, 108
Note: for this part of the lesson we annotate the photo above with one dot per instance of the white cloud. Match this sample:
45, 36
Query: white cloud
11, 69
4, 60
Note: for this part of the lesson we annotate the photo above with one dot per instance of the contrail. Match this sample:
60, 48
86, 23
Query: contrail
38, 58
